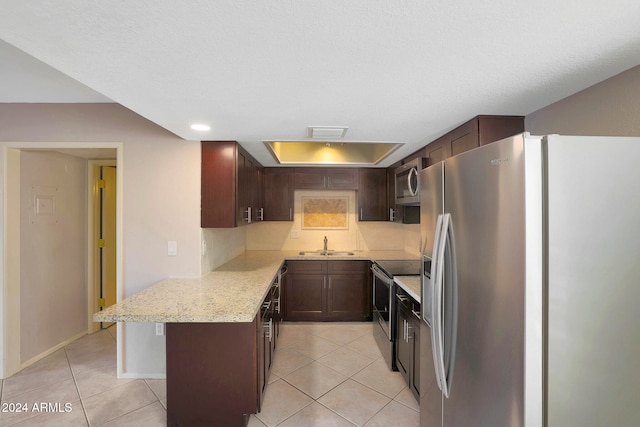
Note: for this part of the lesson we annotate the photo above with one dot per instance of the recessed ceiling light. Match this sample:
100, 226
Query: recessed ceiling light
200, 127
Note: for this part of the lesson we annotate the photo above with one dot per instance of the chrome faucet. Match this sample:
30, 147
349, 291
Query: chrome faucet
325, 243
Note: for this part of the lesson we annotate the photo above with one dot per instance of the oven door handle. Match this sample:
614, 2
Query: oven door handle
381, 275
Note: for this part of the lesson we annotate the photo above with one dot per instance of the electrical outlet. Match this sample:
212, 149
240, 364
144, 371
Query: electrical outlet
159, 328
295, 234
204, 247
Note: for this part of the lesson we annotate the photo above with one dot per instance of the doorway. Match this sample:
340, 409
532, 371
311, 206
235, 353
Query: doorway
10, 282
103, 207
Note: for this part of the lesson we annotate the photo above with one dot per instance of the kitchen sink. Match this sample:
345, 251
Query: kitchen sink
327, 253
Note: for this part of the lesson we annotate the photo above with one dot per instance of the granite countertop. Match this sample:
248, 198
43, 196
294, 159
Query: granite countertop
232, 293
411, 284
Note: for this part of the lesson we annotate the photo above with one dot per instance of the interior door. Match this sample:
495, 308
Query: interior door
108, 236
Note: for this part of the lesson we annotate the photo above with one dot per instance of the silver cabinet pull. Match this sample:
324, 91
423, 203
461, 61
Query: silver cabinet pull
392, 215
361, 214
402, 298
290, 214
248, 218
261, 214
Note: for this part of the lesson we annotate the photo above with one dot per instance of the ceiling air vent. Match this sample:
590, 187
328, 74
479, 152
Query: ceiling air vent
326, 132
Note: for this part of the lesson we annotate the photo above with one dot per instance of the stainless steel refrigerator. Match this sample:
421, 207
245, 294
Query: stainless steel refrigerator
531, 284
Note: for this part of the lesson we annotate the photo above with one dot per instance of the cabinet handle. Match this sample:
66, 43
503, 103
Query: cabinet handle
392, 215
261, 214
360, 214
266, 305
416, 313
269, 329
290, 214
409, 327
278, 305
402, 298
248, 218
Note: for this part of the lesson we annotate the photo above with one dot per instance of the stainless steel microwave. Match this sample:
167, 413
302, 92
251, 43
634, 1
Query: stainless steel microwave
407, 191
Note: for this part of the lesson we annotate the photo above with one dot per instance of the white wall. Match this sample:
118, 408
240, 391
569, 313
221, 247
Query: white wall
609, 108
53, 289
161, 200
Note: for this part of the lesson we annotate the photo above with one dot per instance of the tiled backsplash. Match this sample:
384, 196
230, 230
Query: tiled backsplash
225, 244
359, 236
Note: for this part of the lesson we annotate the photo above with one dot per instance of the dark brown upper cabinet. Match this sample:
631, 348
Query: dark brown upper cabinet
231, 191
480, 130
373, 202
278, 194
322, 178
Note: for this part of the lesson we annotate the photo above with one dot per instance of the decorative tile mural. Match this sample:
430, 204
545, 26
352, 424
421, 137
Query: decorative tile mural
325, 212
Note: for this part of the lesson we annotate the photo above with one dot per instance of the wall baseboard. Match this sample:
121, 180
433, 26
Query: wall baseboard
51, 350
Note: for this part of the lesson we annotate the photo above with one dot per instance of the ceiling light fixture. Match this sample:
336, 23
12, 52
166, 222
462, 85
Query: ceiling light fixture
327, 132
200, 127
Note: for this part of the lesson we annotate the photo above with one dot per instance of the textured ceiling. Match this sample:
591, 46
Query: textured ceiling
403, 71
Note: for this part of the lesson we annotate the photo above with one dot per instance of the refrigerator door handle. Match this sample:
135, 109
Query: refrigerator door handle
450, 303
446, 304
436, 298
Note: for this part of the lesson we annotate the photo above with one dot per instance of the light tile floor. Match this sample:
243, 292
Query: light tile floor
329, 374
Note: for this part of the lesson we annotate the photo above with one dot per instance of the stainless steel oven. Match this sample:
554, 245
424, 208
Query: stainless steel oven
383, 306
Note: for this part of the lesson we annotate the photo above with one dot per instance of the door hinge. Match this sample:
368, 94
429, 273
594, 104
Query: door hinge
101, 183
101, 243
101, 302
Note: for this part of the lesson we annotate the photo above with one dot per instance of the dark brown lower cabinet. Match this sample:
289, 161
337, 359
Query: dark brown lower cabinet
407, 344
217, 372
212, 376
327, 291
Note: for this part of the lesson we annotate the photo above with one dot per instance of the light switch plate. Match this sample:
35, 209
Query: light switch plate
172, 248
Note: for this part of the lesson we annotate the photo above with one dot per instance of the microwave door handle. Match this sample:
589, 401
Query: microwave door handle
412, 191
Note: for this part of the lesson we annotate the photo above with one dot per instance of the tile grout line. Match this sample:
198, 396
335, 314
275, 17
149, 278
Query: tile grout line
75, 383
350, 377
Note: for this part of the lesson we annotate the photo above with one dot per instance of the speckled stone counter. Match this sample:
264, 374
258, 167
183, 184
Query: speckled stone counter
231, 293
411, 284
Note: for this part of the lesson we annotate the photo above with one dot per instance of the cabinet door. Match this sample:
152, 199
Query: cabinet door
464, 138
309, 179
305, 297
341, 179
415, 360
260, 353
244, 199
257, 191
494, 128
438, 150
218, 184
278, 194
404, 349
372, 195
346, 294
349, 290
